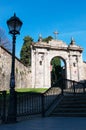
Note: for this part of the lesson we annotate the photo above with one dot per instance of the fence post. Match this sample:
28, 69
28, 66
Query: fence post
74, 87
4, 107
43, 111
62, 86
12, 113
84, 88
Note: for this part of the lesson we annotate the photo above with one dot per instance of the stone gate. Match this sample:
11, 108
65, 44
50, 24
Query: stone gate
42, 53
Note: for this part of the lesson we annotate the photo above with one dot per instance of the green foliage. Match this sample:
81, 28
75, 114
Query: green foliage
47, 39
25, 54
56, 70
55, 62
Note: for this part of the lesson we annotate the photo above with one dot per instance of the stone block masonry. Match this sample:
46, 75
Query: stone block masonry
22, 73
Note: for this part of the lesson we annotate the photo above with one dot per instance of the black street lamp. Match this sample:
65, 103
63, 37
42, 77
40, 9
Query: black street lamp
14, 25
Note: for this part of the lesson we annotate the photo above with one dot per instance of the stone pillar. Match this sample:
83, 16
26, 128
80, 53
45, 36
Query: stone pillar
33, 65
70, 67
46, 71
36, 71
80, 67
68, 72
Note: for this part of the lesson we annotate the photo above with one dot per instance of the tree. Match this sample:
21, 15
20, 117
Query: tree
4, 41
56, 70
47, 39
25, 54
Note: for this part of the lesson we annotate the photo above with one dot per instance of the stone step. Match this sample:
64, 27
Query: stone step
73, 102
70, 109
74, 97
71, 106
70, 114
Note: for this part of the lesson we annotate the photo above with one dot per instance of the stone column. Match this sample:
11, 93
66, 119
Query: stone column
80, 67
70, 66
47, 70
33, 65
77, 61
68, 72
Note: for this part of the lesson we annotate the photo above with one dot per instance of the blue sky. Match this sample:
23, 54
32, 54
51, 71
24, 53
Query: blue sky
68, 17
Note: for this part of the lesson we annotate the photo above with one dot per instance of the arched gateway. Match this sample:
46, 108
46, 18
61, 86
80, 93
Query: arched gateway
42, 53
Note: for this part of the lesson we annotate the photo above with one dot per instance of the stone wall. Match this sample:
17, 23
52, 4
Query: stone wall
22, 73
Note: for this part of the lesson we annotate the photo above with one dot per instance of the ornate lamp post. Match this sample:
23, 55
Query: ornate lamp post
14, 25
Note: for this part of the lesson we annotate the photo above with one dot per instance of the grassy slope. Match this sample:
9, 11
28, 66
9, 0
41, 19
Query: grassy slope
31, 90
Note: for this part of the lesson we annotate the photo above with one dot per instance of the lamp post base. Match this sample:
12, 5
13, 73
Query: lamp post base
12, 109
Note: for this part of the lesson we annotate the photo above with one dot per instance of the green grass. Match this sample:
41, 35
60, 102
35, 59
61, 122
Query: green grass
41, 90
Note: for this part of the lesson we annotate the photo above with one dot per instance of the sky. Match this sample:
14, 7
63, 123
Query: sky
68, 17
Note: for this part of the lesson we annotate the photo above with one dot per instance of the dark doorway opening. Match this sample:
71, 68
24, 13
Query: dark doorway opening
58, 71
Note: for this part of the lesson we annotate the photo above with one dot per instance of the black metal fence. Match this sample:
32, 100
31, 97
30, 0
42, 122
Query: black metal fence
49, 97
38, 103
29, 103
3, 106
73, 87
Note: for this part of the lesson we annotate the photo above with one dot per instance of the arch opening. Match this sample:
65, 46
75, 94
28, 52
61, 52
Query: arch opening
58, 70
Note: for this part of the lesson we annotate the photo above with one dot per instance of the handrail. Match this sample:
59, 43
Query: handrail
64, 86
73, 86
48, 97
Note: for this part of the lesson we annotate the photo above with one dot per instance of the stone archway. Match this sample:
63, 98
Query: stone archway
42, 54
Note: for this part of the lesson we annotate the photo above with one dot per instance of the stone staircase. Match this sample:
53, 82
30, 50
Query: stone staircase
71, 105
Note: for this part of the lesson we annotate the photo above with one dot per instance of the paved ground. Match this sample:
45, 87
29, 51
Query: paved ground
49, 123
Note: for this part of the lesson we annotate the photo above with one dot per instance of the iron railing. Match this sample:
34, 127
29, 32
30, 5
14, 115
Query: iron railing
73, 87
29, 103
3, 106
49, 97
